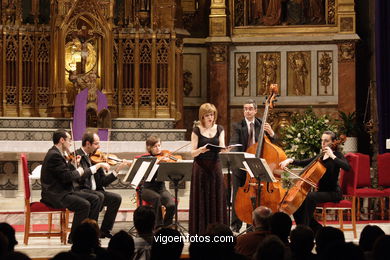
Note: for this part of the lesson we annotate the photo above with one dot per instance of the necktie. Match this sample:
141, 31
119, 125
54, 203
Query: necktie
251, 133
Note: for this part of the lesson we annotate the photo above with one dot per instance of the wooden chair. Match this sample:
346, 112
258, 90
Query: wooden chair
383, 161
39, 207
348, 183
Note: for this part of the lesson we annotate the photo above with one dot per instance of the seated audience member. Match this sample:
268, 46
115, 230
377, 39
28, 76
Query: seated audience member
248, 243
3, 245
144, 220
280, 225
381, 248
86, 243
302, 243
271, 248
369, 235
16, 256
169, 249
121, 245
66, 256
340, 251
325, 236
9, 233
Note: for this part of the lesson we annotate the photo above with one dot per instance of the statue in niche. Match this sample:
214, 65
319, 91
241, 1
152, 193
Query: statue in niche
268, 72
10, 13
295, 12
187, 82
316, 11
298, 65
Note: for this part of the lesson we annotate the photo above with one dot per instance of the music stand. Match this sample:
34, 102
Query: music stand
175, 172
137, 174
231, 160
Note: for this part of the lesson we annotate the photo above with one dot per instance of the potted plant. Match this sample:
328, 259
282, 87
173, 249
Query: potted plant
301, 139
348, 126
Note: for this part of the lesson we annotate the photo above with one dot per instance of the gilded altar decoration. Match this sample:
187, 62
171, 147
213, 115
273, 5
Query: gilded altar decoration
268, 71
298, 73
242, 74
325, 67
346, 24
331, 11
346, 52
219, 53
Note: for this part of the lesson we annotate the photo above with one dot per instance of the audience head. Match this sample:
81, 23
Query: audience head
340, 250
381, 248
280, 224
85, 237
261, 216
368, 236
123, 244
66, 256
144, 219
3, 245
326, 236
16, 256
272, 248
9, 233
169, 246
302, 240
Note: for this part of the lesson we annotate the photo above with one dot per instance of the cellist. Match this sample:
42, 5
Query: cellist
246, 133
328, 188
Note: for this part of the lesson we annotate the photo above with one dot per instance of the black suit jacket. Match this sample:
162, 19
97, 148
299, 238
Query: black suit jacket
240, 134
57, 177
101, 179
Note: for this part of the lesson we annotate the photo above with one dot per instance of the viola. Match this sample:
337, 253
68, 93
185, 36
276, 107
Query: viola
99, 157
167, 156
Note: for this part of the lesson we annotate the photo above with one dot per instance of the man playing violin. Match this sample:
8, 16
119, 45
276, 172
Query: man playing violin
59, 179
95, 180
246, 133
328, 188
155, 192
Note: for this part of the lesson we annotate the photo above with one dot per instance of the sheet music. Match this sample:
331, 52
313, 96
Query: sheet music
268, 169
248, 169
140, 173
152, 172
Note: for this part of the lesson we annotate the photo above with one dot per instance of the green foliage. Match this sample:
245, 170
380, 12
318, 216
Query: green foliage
348, 124
302, 139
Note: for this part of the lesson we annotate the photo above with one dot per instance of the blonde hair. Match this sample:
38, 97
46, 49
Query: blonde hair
205, 109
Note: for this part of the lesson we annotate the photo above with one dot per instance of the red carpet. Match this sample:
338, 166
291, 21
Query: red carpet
35, 227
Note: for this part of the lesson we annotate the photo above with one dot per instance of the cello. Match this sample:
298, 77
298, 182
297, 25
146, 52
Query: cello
250, 195
307, 179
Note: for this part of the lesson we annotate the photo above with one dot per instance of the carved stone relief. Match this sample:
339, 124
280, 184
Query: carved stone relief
325, 73
299, 64
268, 71
242, 61
347, 52
218, 53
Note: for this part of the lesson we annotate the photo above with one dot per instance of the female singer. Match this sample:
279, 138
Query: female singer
155, 192
207, 196
328, 188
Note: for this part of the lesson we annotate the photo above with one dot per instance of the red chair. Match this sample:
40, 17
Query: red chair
364, 189
39, 207
383, 161
348, 182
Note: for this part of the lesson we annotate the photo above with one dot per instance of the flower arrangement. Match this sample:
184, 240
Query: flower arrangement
301, 139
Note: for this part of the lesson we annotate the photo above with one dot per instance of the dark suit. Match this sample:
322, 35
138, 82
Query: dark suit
58, 178
240, 136
109, 199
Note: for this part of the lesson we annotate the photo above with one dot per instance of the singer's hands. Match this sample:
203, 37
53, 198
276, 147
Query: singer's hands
203, 149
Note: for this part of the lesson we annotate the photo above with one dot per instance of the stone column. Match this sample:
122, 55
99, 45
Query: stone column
347, 76
219, 61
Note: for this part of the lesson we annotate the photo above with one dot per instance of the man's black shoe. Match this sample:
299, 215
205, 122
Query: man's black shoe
105, 234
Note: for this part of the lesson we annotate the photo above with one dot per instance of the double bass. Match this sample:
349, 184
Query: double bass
254, 193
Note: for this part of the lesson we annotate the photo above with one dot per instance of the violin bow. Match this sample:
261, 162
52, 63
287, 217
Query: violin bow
181, 147
74, 145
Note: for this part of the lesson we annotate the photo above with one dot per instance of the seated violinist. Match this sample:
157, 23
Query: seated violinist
328, 188
155, 192
95, 179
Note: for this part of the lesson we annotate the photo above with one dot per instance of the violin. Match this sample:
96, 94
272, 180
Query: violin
167, 156
99, 157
